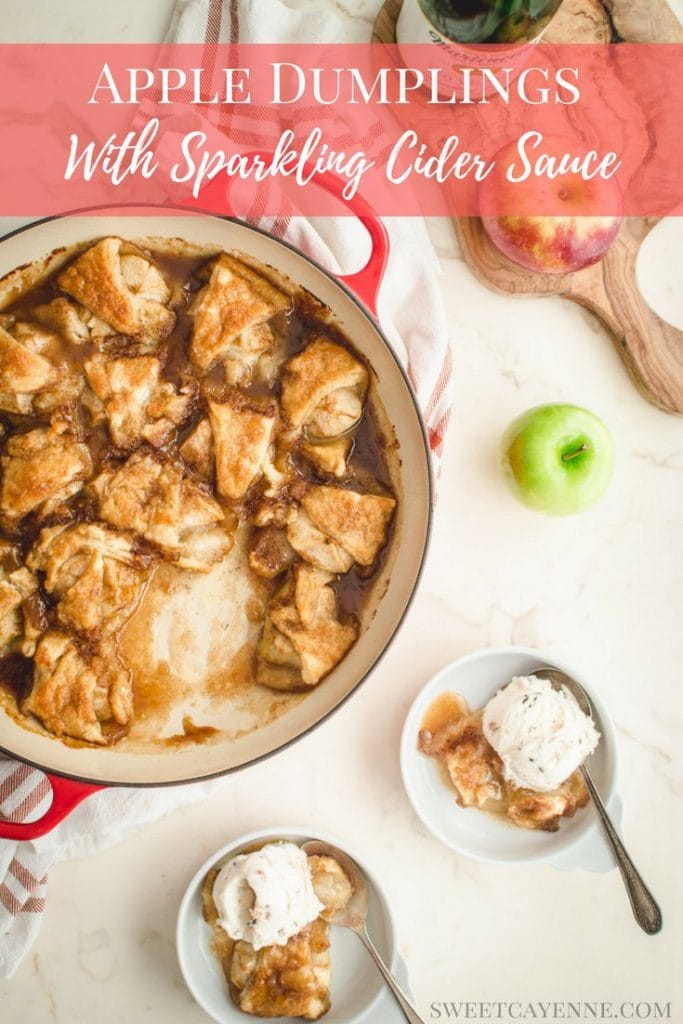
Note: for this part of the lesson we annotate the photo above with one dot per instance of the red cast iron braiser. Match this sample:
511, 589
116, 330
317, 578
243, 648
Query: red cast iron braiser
68, 792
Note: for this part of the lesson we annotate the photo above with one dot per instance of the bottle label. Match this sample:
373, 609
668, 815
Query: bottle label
414, 27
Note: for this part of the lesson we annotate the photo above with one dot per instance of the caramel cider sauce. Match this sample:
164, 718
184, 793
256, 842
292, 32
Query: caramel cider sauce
191, 733
447, 709
16, 676
164, 695
221, 945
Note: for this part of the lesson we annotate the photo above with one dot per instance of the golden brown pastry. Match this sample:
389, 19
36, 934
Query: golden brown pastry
229, 313
22, 371
34, 368
545, 810
242, 429
17, 586
303, 639
72, 321
137, 403
285, 981
197, 450
474, 768
153, 497
329, 457
337, 527
316, 547
121, 286
270, 553
76, 692
95, 574
42, 468
323, 389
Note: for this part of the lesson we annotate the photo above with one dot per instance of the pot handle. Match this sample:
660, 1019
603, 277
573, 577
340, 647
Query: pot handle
66, 794
365, 283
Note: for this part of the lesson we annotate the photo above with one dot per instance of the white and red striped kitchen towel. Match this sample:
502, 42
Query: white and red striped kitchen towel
412, 316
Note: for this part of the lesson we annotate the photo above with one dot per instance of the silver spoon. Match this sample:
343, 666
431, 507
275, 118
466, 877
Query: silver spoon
354, 916
644, 906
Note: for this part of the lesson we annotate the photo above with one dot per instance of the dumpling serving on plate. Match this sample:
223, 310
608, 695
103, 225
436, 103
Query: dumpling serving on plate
283, 968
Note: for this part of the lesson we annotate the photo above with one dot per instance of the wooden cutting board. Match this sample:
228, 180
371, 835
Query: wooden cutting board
651, 349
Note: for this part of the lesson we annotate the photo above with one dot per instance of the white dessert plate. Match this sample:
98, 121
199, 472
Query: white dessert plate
488, 837
357, 991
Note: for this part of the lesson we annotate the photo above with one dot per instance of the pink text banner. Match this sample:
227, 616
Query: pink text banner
250, 129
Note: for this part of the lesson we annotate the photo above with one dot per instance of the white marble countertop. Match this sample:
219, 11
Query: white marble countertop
602, 590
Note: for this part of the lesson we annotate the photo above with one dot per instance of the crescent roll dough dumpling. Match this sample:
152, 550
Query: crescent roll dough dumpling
21, 370
138, 404
242, 429
95, 573
41, 468
76, 692
226, 312
122, 286
154, 498
303, 639
324, 389
336, 527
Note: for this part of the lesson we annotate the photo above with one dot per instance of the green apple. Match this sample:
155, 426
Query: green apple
557, 459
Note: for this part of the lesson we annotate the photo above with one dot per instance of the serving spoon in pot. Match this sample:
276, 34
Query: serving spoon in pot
644, 906
354, 916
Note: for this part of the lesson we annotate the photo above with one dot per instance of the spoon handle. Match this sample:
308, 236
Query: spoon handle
645, 908
401, 998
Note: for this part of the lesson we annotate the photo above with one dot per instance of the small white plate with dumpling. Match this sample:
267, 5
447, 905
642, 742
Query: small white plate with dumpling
487, 834
357, 992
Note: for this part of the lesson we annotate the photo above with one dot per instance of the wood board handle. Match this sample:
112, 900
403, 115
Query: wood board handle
651, 348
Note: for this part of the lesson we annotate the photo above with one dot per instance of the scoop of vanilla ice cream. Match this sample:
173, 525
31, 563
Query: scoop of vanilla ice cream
267, 896
540, 734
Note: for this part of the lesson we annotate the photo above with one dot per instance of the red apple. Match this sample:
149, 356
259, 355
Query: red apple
556, 221
553, 245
